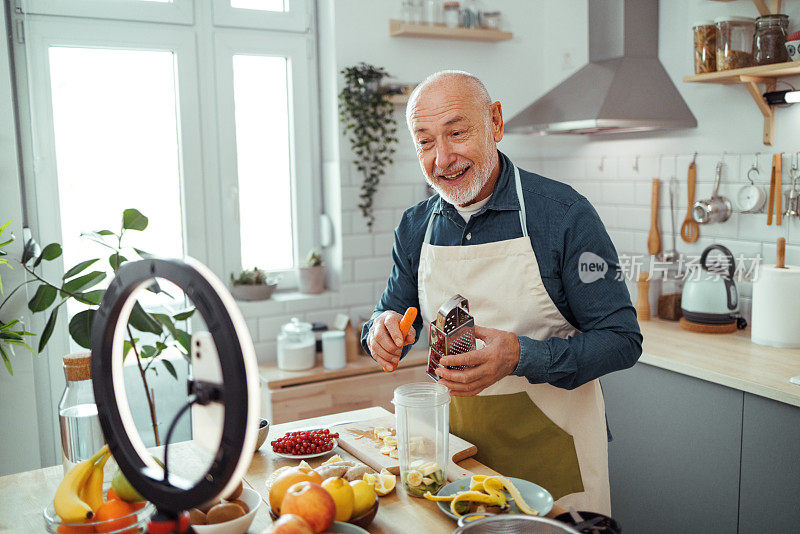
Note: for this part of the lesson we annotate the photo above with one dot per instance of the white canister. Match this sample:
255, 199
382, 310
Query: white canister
334, 353
776, 293
296, 346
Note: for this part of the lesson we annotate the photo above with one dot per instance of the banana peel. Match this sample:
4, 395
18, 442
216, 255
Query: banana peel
486, 490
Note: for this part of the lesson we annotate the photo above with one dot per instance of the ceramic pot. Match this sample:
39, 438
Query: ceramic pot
252, 292
311, 279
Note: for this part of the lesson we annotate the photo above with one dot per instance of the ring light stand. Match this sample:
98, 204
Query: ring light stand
228, 389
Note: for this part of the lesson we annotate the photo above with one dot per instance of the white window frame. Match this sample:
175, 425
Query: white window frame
297, 18
297, 49
176, 11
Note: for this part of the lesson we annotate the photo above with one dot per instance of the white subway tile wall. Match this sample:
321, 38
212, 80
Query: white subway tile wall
618, 187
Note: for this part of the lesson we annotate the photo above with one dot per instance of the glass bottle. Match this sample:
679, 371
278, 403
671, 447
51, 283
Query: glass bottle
422, 413
81, 435
769, 43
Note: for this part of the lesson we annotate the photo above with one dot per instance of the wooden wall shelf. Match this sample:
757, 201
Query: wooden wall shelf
763, 9
751, 77
398, 28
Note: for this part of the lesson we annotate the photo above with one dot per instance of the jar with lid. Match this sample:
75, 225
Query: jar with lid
735, 42
430, 12
452, 16
769, 43
490, 19
705, 47
81, 434
296, 346
422, 413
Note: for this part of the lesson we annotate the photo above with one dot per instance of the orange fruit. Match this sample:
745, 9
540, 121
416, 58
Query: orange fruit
114, 513
288, 478
72, 529
110, 495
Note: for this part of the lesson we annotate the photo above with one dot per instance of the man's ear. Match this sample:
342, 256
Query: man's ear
497, 122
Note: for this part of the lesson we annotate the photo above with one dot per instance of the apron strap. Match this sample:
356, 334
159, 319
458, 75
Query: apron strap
522, 217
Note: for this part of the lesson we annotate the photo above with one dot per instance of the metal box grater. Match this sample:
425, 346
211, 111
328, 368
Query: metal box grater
453, 332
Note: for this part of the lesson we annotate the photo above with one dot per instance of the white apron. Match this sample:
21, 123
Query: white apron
502, 282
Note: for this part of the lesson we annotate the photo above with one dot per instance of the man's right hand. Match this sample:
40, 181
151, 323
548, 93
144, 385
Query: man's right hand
385, 341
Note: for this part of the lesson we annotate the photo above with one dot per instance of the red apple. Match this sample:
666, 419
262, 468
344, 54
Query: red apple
311, 502
290, 524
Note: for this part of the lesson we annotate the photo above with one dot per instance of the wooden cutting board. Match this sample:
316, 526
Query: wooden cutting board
353, 440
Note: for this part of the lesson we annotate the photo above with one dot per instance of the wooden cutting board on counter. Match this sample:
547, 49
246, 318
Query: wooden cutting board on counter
354, 438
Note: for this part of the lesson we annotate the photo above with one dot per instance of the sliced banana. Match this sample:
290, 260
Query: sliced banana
390, 440
429, 468
427, 481
394, 454
379, 430
387, 449
416, 464
414, 478
383, 434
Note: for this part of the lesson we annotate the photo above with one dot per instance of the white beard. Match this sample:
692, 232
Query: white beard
466, 193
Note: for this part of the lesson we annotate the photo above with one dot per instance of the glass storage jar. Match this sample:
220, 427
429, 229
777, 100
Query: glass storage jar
705, 47
490, 19
452, 15
297, 346
422, 413
81, 434
735, 42
769, 43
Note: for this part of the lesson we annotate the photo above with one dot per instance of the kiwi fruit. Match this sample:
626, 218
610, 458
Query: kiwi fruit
237, 491
223, 512
242, 504
197, 517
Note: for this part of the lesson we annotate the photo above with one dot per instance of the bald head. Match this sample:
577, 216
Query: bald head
450, 82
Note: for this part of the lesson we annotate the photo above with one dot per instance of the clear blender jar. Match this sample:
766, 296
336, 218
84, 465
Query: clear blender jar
422, 413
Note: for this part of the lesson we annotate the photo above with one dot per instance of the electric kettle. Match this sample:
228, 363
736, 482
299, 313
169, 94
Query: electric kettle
709, 291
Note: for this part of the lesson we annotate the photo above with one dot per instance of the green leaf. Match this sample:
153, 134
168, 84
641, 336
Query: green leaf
48, 329
143, 254
80, 328
44, 297
182, 316
183, 338
3, 228
6, 326
97, 238
91, 297
4, 243
147, 351
83, 282
6, 359
105, 232
126, 348
170, 368
78, 268
116, 260
161, 346
132, 219
142, 321
49, 253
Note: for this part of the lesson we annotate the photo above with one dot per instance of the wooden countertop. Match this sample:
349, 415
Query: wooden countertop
727, 359
274, 378
24, 495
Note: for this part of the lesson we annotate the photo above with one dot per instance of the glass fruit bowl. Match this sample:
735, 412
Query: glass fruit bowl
132, 523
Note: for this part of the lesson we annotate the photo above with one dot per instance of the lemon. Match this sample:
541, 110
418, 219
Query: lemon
343, 497
363, 496
384, 482
414, 478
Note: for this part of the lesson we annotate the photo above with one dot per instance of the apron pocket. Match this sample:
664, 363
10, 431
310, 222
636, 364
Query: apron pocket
515, 438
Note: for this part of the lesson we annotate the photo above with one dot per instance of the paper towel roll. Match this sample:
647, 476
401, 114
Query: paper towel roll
776, 307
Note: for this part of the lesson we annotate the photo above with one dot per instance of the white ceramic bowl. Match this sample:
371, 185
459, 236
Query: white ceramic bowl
793, 47
237, 526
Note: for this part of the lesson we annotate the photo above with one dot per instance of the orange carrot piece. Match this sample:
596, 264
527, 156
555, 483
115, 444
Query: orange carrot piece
407, 321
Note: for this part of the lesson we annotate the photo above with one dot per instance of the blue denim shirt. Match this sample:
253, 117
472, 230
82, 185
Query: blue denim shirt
562, 225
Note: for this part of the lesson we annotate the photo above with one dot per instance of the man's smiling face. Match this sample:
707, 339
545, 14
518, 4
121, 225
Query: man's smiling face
455, 135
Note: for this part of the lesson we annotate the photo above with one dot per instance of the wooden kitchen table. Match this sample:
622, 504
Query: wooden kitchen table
24, 495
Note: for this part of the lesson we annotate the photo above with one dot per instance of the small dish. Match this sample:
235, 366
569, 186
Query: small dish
307, 456
534, 495
263, 431
346, 528
240, 525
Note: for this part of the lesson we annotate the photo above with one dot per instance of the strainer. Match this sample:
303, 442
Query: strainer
510, 524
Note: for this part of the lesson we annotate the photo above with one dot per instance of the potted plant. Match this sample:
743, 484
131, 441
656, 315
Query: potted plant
253, 284
311, 275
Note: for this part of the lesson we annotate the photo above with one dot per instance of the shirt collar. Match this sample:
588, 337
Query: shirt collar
504, 196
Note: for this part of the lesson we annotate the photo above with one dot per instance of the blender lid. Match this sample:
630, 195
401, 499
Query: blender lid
235, 386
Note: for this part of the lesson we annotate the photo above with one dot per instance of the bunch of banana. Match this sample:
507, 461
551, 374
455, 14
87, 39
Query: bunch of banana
486, 490
80, 494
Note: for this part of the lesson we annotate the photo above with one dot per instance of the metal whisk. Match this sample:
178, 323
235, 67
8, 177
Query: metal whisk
793, 202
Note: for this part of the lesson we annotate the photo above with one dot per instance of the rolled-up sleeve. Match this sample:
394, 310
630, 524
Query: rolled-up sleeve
609, 338
401, 290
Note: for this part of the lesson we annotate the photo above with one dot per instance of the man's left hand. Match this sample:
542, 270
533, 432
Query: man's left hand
488, 365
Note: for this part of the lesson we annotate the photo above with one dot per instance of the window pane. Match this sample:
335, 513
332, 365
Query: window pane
116, 136
261, 5
262, 147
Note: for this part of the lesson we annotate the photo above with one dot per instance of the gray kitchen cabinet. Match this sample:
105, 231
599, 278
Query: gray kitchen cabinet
770, 483
674, 458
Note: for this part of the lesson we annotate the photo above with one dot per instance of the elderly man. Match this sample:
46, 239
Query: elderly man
511, 242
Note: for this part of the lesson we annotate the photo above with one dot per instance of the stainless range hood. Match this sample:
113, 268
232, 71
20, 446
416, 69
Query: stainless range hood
624, 88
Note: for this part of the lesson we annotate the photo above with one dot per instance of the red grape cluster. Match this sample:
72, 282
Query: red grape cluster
308, 442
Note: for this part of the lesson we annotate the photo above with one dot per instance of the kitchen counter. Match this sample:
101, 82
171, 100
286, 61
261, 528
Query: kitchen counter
730, 360
23, 495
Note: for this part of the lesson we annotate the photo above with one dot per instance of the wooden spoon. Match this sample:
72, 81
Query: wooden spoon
654, 239
780, 262
690, 230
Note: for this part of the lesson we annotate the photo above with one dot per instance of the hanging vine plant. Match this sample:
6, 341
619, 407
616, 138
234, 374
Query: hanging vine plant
368, 119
